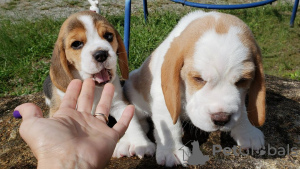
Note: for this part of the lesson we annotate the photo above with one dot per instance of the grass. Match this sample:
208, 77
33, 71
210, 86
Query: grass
26, 46
25, 54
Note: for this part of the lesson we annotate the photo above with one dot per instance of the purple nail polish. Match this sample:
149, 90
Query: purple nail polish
17, 114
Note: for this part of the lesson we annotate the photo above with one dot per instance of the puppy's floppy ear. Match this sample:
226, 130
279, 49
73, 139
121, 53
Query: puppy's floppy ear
59, 70
257, 92
170, 80
122, 54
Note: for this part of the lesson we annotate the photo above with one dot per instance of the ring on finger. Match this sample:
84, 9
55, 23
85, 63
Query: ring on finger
103, 115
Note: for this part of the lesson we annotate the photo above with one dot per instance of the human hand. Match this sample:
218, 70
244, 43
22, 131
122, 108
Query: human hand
73, 138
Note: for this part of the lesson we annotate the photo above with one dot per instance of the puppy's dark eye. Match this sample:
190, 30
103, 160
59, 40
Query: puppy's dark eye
77, 45
242, 82
199, 79
108, 36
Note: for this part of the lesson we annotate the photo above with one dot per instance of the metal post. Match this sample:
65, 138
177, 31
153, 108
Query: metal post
127, 25
294, 13
145, 9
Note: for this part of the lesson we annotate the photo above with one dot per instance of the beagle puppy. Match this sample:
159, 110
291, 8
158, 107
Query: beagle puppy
201, 73
88, 46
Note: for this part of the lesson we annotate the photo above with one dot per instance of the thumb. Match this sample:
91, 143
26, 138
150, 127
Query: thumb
27, 111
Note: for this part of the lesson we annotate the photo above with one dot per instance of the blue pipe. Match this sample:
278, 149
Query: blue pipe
211, 6
145, 10
127, 25
294, 13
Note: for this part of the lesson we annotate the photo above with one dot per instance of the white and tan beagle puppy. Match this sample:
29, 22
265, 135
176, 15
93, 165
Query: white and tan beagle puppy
88, 46
201, 73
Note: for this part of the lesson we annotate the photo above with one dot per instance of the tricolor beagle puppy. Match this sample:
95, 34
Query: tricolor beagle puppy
88, 46
201, 73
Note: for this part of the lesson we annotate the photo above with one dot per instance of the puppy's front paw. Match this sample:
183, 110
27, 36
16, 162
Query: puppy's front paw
170, 157
252, 138
129, 147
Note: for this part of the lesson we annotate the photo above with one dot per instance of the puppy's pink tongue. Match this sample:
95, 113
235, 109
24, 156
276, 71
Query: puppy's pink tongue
102, 76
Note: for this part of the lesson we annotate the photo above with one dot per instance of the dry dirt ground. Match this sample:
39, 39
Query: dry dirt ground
282, 133
282, 127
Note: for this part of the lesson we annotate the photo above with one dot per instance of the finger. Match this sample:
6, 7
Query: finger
86, 97
105, 101
122, 125
71, 95
28, 110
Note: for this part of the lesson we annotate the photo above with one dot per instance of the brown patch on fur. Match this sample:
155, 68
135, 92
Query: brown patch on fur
192, 78
248, 72
170, 80
104, 27
55, 102
59, 70
73, 55
221, 27
257, 92
247, 75
74, 23
142, 80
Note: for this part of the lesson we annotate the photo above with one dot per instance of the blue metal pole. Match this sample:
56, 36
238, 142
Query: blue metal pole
294, 13
145, 10
211, 6
127, 25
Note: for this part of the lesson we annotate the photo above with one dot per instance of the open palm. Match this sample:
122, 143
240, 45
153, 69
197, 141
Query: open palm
74, 135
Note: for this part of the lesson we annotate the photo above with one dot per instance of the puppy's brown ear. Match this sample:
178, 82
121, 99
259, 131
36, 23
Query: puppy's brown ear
122, 54
257, 92
59, 70
170, 80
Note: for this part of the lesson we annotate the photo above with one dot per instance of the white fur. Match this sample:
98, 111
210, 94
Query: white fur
218, 58
47, 101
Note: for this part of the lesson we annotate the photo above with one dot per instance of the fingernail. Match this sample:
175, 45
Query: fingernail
17, 114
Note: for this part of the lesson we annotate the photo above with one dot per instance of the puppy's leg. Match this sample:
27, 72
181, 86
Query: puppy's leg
135, 140
246, 135
54, 103
170, 149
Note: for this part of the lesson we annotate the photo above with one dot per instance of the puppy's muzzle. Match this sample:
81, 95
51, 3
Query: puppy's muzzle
220, 118
100, 55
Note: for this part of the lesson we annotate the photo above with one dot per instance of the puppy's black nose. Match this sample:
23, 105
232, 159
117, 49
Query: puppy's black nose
100, 55
220, 119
